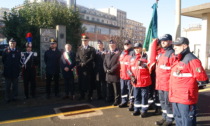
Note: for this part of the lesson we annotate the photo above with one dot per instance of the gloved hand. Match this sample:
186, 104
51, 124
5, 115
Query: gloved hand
133, 79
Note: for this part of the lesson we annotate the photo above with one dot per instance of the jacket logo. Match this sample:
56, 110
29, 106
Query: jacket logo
198, 69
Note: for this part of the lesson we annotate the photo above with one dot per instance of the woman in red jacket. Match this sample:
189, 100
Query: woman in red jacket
140, 79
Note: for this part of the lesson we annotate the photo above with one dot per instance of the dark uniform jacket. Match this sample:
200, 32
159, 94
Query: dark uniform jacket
30, 66
64, 63
52, 61
11, 62
99, 69
86, 57
111, 62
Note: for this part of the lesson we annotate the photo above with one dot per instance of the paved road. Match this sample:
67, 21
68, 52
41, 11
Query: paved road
41, 112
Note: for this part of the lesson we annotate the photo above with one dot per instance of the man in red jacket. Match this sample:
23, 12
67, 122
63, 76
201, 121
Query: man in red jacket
186, 73
125, 84
163, 70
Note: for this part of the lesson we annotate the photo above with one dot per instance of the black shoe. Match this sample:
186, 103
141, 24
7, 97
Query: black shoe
115, 103
89, 99
160, 123
131, 107
143, 115
157, 111
81, 98
123, 105
136, 113
167, 124
65, 97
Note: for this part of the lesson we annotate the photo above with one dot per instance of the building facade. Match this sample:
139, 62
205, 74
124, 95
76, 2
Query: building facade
135, 31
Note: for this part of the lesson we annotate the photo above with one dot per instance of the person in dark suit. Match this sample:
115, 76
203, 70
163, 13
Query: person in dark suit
85, 58
99, 70
11, 62
29, 63
67, 64
52, 61
112, 68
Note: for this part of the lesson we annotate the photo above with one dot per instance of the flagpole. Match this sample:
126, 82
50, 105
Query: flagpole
178, 19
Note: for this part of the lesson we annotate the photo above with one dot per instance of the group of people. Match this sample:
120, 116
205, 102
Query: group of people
121, 77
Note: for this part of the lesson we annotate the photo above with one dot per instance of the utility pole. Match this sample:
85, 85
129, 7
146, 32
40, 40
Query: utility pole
178, 19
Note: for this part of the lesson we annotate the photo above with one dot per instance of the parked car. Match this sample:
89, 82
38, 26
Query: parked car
2, 47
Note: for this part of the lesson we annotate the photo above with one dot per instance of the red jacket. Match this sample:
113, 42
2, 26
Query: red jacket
140, 72
163, 69
124, 63
186, 72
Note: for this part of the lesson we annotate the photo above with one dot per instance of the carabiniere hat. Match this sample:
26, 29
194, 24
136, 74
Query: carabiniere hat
137, 45
180, 41
99, 42
112, 42
52, 41
12, 40
29, 45
84, 37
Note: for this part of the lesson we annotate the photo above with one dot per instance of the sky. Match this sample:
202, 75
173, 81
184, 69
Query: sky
139, 10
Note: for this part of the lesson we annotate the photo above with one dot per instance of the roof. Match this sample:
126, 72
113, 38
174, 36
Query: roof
196, 11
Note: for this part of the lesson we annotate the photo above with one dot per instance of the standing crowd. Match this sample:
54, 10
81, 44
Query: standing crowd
120, 77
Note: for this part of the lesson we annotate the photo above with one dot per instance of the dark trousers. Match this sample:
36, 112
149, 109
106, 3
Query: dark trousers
141, 99
113, 92
29, 79
11, 83
166, 106
153, 97
85, 84
185, 115
49, 79
126, 91
69, 85
101, 88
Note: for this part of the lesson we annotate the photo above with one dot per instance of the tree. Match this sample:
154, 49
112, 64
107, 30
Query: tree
34, 16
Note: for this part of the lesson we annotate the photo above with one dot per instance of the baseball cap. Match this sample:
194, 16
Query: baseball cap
137, 45
127, 42
181, 40
166, 37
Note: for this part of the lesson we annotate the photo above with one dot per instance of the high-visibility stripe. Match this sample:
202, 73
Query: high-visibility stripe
133, 68
137, 105
145, 106
182, 74
123, 96
150, 101
165, 67
170, 115
131, 96
164, 111
157, 104
126, 63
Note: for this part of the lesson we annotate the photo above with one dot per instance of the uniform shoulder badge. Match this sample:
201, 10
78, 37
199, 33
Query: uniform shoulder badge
198, 69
